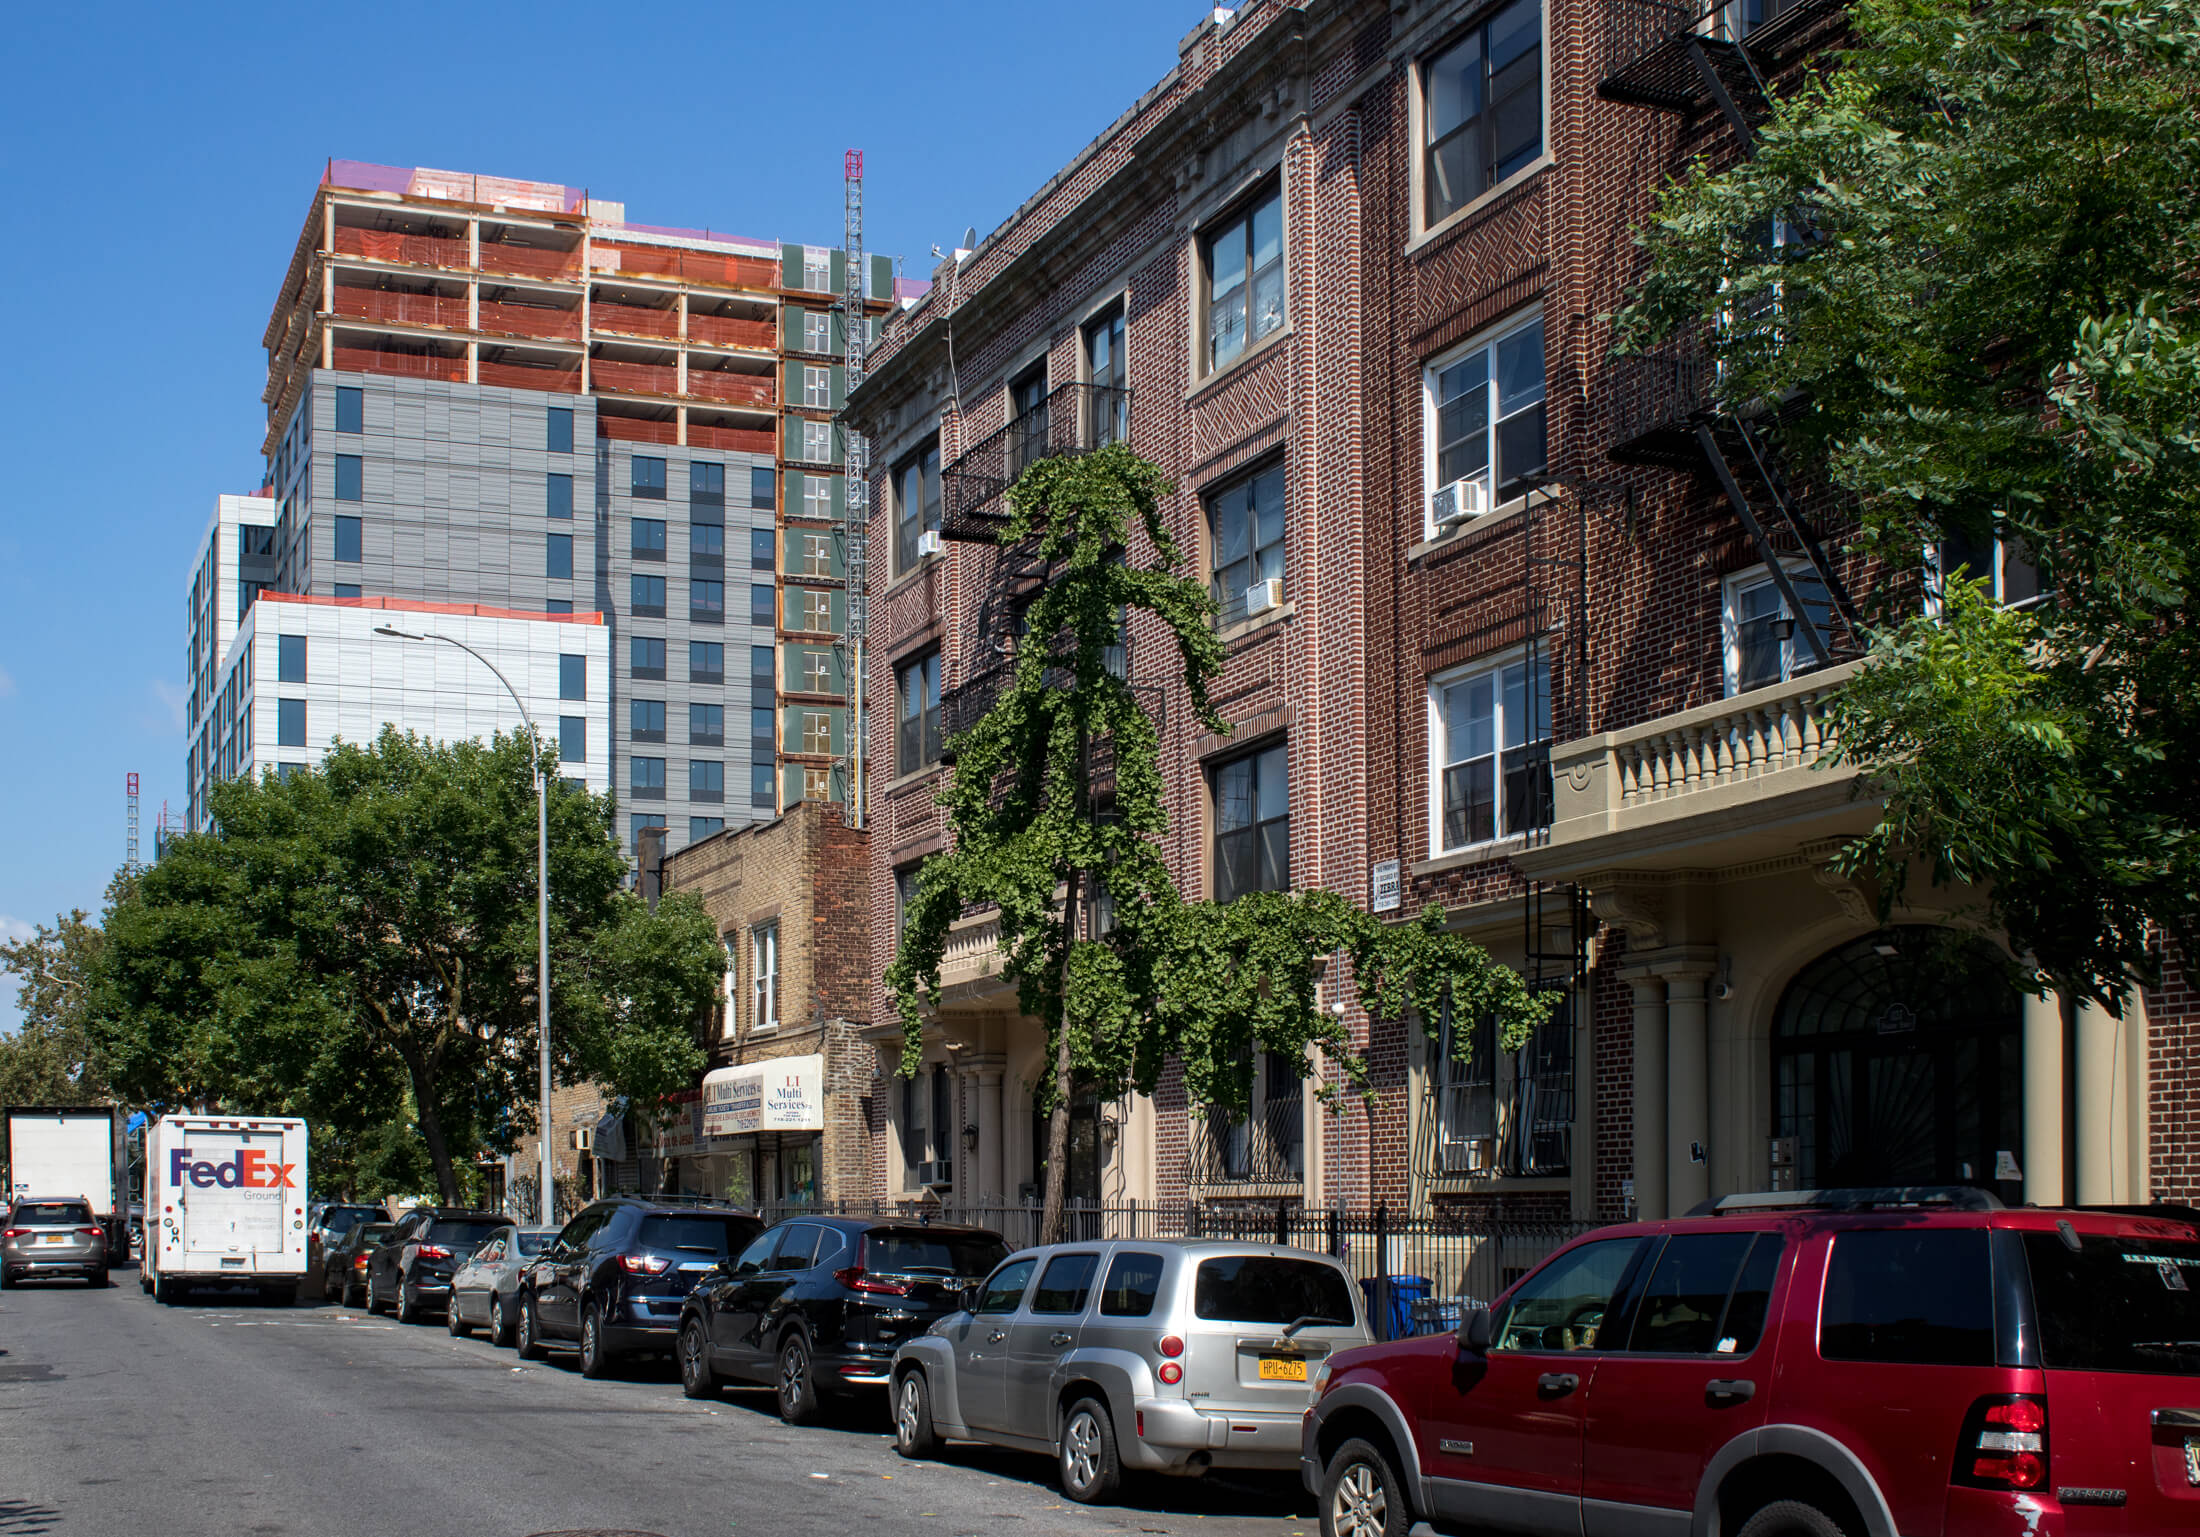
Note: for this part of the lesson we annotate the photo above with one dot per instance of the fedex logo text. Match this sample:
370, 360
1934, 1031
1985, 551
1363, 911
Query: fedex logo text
251, 1169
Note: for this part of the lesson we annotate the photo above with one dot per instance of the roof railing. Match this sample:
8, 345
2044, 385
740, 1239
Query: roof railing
1861, 1198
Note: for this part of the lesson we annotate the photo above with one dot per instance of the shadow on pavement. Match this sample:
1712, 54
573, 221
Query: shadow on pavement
21, 1516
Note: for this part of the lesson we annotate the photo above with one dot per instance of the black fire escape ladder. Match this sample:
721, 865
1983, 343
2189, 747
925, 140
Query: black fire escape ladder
1784, 505
1730, 77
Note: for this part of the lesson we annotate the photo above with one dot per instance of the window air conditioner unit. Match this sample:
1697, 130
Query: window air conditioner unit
1263, 596
937, 1172
584, 1139
1461, 502
930, 542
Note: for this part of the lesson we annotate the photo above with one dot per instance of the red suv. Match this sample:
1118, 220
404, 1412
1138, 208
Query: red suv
1842, 1363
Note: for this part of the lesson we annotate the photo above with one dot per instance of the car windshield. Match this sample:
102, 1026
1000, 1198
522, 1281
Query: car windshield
698, 1233
532, 1243
916, 1252
466, 1230
1267, 1289
368, 1236
2121, 1304
342, 1219
49, 1213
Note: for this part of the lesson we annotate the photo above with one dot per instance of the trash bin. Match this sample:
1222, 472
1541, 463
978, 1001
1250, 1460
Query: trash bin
1405, 1291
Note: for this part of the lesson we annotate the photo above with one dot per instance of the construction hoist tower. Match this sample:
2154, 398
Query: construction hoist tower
855, 504
130, 855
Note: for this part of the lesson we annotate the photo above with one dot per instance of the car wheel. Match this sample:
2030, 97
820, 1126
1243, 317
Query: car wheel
1791, 1518
1091, 1471
797, 1385
457, 1326
98, 1277
596, 1357
697, 1379
1361, 1494
374, 1296
145, 1283
913, 1433
500, 1322
529, 1336
408, 1303
164, 1291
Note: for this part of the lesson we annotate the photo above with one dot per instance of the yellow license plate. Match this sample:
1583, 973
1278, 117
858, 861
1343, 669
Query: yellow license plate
1282, 1369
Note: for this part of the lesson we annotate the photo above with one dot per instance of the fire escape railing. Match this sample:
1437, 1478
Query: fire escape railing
1694, 58
1073, 419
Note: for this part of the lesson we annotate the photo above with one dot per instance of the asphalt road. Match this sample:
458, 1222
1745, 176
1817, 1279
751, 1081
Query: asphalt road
223, 1418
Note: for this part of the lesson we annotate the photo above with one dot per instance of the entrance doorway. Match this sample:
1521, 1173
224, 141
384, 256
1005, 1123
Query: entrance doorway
1898, 1060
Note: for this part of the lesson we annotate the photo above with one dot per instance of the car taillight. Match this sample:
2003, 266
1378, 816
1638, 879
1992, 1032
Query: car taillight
1171, 1346
361, 1262
16, 1232
857, 1279
434, 1250
2004, 1443
93, 1232
1171, 1373
643, 1264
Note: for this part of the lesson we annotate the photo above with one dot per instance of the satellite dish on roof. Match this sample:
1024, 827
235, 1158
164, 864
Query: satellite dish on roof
970, 237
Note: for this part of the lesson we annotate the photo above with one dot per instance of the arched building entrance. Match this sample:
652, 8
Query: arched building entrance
1898, 1060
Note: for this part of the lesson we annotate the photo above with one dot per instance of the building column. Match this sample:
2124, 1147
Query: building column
992, 1132
2043, 1100
1649, 1096
2138, 1101
2100, 1077
1687, 1078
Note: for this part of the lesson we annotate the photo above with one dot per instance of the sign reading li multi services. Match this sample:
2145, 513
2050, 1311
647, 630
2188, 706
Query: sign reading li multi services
787, 1094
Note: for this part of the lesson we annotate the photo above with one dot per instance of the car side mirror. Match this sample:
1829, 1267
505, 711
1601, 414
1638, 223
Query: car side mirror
1474, 1331
971, 1296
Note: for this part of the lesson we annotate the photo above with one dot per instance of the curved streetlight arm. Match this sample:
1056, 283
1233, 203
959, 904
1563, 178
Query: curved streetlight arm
533, 736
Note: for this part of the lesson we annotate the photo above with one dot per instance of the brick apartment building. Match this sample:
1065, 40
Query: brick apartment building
786, 1113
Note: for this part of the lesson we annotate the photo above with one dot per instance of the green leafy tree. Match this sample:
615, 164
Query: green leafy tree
51, 1059
1157, 978
358, 944
1985, 307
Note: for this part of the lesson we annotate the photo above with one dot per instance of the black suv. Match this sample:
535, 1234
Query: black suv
414, 1265
815, 1306
614, 1278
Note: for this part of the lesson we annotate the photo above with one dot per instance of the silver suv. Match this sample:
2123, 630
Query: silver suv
1171, 1355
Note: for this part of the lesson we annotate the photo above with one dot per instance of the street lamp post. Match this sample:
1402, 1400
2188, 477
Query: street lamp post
545, 1188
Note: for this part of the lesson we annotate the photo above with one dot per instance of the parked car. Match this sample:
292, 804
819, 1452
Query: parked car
485, 1290
344, 1267
1172, 1356
614, 1278
53, 1237
816, 1306
324, 1228
1821, 1364
411, 1269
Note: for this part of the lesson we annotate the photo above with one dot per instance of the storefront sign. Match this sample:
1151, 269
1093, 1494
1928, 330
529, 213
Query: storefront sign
680, 1126
787, 1094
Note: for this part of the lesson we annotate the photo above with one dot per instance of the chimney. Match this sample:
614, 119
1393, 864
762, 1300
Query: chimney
649, 860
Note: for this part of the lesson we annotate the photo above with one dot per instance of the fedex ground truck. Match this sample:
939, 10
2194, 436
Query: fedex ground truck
225, 1201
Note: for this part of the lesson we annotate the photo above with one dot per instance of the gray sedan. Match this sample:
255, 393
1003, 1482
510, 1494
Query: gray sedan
485, 1291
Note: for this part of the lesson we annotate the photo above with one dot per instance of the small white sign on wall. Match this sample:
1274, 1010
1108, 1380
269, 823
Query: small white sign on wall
1389, 887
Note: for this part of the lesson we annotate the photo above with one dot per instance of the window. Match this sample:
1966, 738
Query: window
706, 484
1027, 419
1065, 1284
927, 1119
646, 779
762, 603
707, 725
1466, 1094
646, 594
762, 486
817, 269
345, 590
348, 476
645, 656
916, 502
1482, 109
917, 714
290, 659
817, 442
817, 731
1484, 408
348, 541
706, 601
1561, 1306
557, 605
706, 780
814, 610
572, 677
1243, 262
761, 668
648, 542
648, 480
1252, 824
1132, 1287
646, 719
700, 828
2116, 1304
637, 825
814, 553
1999, 561
1491, 735
706, 661
763, 728
1104, 370
707, 545
1268, 1142
763, 791
1918, 1297
1246, 521
817, 495
1683, 1310
572, 739
558, 430
817, 671
290, 723
764, 977
905, 892
350, 408
1006, 1288
817, 784
1764, 643
1271, 1289
817, 331
761, 557
817, 387
558, 496
557, 557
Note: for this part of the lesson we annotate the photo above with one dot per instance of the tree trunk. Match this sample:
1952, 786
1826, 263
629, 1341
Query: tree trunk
1050, 1215
431, 1127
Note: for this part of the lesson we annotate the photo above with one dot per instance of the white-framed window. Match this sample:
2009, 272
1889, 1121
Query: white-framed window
1245, 540
1765, 640
764, 977
817, 386
1481, 109
1999, 561
730, 1020
1502, 1113
817, 671
817, 331
814, 553
817, 496
1483, 409
817, 269
916, 503
1489, 752
1241, 270
817, 442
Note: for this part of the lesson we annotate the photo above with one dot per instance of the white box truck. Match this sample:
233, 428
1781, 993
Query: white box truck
225, 1201
72, 1151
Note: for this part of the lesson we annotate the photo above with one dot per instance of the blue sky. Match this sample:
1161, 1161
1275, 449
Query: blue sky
161, 159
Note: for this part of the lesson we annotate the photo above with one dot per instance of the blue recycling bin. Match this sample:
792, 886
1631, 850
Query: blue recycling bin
1395, 1323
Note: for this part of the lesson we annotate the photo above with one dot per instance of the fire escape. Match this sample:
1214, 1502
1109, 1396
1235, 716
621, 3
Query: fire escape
1703, 63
